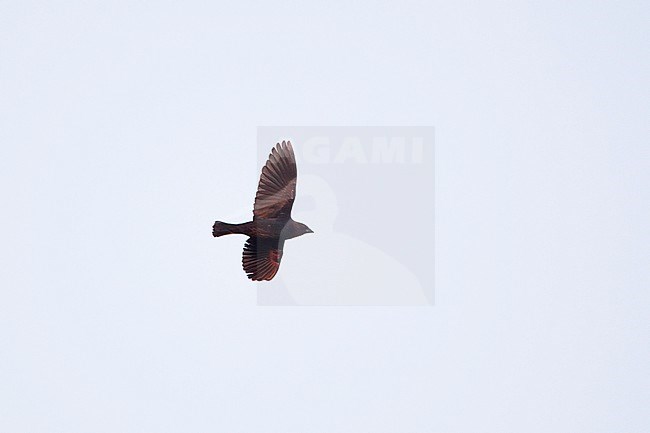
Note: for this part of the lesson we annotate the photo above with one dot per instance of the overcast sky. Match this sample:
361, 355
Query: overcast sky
127, 128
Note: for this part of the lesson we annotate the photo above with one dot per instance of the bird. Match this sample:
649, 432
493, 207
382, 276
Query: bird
272, 223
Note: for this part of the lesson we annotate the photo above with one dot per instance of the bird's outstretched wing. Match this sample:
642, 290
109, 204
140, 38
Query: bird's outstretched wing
277, 188
261, 258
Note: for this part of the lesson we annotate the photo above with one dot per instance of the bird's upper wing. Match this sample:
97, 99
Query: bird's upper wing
277, 188
261, 258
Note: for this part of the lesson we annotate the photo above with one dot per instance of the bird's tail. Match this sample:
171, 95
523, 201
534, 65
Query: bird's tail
220, 228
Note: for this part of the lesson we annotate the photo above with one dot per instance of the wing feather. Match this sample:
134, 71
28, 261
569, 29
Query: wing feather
277, 186
261, 258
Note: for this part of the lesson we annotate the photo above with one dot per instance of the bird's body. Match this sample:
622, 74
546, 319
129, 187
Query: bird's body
272, 223
261, 227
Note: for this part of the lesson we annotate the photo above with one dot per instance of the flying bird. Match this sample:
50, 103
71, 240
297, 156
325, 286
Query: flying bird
272, 223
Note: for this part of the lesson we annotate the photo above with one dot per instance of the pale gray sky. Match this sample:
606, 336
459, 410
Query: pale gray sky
128, 127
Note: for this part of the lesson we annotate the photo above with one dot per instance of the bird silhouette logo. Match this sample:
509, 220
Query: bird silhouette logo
272, 223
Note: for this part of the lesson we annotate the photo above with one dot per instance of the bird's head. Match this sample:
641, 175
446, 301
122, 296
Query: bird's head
304, 229
295, 229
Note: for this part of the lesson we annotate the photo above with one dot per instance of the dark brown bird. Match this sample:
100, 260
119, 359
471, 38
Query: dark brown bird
272, 223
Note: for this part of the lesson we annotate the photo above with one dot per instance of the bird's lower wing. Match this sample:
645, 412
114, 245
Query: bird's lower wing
261, 258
